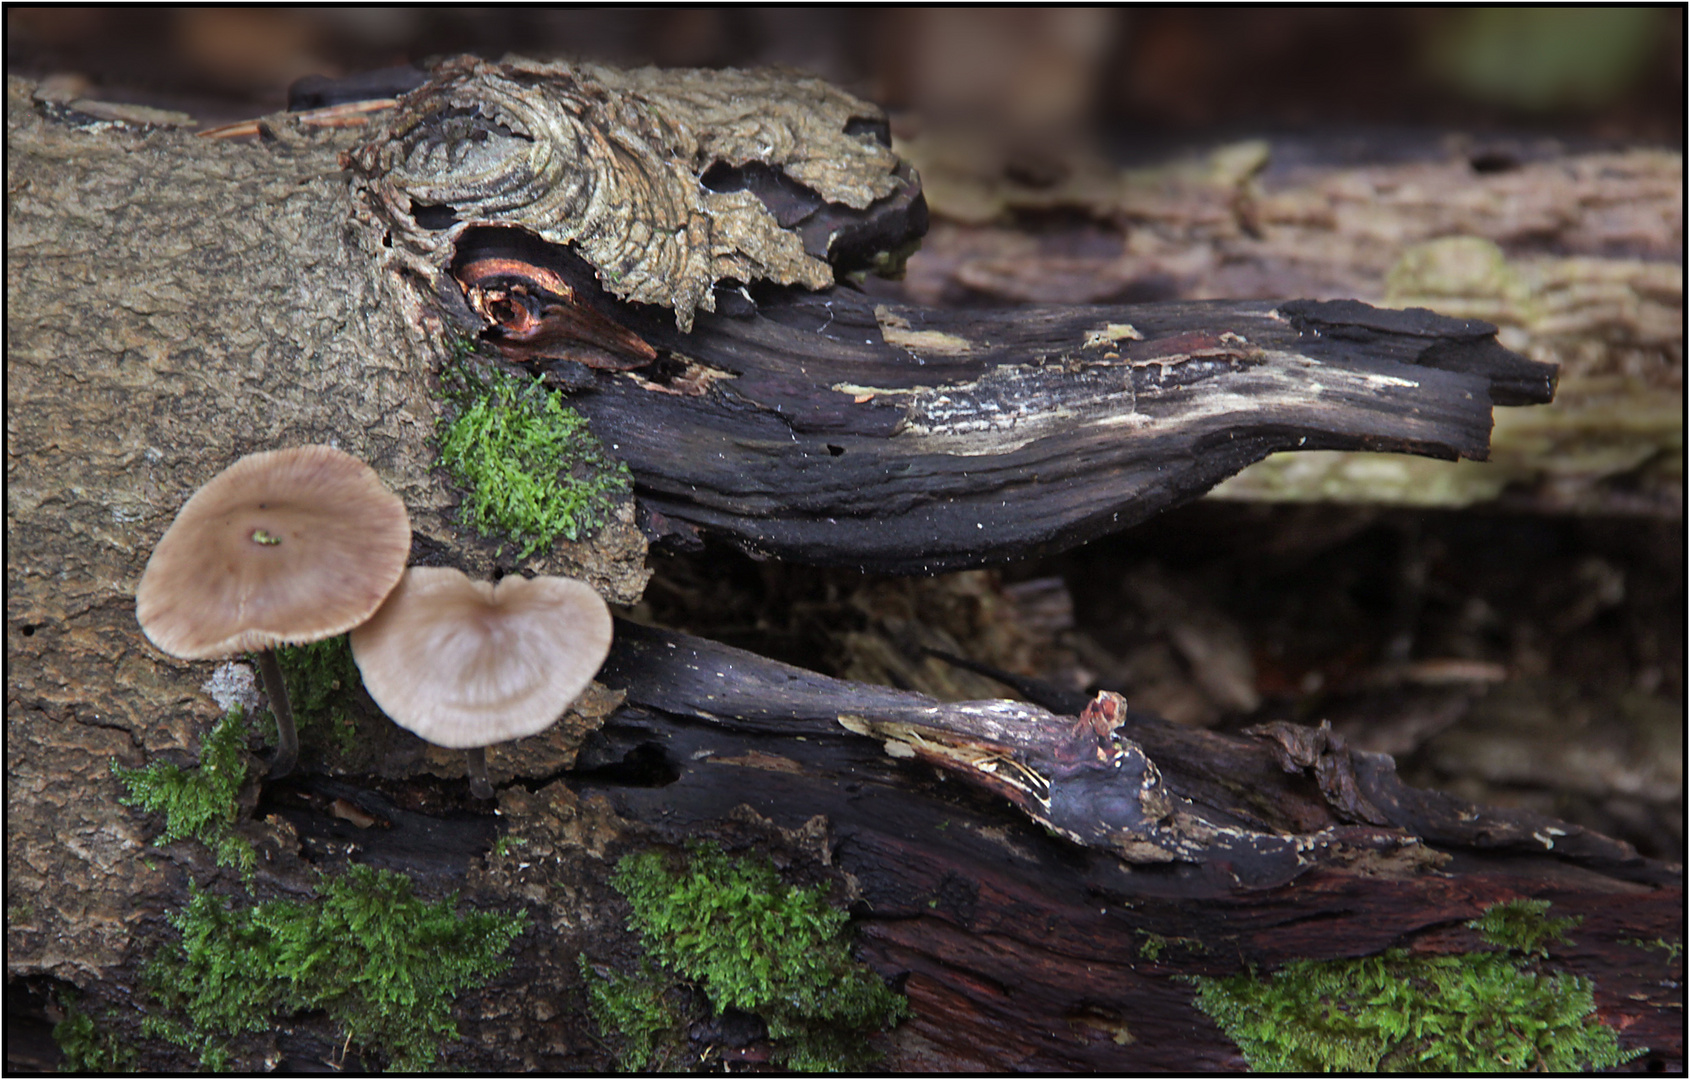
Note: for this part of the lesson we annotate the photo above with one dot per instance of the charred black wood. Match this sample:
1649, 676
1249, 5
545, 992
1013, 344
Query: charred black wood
1111, 779
1017, 941
831, 429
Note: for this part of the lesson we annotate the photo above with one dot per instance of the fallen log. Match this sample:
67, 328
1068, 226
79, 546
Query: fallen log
1029, 943
178, 302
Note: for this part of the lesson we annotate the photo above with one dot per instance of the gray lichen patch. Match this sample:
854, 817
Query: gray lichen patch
612, 162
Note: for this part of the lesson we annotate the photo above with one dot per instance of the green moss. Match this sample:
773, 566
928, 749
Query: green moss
1474, 1012
85, 1046
1155, 944
199, 803
638, 1009
1522, 925
384, 965
322, 680
750, 942
1673, 949
532, 470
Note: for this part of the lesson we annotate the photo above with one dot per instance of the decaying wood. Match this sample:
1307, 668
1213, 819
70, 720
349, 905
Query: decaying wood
176, 302
821, 427
1574, 251
827, 428
916, 441
1028, 951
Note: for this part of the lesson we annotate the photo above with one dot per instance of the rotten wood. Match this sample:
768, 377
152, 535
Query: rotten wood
1293, 847
827, 428
834, 430
1572, 248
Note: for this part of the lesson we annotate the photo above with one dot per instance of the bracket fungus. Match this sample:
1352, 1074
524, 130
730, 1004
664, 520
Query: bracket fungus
466, 664
284, 547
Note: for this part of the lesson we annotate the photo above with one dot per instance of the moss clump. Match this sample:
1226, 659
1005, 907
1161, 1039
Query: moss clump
532, 469
85, 1046
750, 942
322, 678
1155, 944
1522, 925
638, 1008
1475, 1012
199, 803
384, 965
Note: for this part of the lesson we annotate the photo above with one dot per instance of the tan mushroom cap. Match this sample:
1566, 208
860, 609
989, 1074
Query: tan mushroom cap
467, 663
282, 547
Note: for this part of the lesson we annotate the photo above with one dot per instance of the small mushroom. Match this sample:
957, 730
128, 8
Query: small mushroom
283, 547
466, 664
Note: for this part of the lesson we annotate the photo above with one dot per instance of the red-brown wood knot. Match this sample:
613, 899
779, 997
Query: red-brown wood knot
537, 316
1092, 737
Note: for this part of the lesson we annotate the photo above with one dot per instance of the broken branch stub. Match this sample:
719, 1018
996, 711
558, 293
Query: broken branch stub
1111, 780
666, 182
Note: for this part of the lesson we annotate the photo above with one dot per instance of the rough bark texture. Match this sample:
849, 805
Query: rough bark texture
175, 303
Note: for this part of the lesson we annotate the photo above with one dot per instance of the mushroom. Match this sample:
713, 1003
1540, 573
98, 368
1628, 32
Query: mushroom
465, 664
283, 547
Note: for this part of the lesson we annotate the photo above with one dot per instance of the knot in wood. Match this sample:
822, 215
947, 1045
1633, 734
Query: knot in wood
611, 162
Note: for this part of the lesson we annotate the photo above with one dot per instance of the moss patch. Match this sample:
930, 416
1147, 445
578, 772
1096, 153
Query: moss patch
384, 965
199, 804
1522, 925
85, 1046
532, 470
1474, 1012
751, 942
322, 681
646, 1009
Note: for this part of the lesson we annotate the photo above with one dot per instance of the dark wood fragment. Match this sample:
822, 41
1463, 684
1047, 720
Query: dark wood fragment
827, 428
1020, 949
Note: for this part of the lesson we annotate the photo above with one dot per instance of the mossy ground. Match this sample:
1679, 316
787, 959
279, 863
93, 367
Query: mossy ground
1396, 1012
385, 966
199, 803
532, 470
748, 941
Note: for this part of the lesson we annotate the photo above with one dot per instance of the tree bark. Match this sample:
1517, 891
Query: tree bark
175, 303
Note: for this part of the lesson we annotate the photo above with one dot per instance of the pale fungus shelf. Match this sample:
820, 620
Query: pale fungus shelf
284, 547
465, 664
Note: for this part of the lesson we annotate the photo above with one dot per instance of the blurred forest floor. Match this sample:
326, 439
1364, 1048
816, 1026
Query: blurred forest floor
1503, 651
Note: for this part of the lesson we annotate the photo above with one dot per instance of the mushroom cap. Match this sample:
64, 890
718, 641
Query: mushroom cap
282, 547
466, 663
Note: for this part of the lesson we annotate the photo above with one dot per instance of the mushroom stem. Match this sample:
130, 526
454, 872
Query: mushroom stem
287, 739
478, 783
